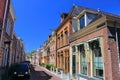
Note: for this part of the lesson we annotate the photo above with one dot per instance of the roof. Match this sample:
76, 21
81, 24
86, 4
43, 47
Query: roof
76, 10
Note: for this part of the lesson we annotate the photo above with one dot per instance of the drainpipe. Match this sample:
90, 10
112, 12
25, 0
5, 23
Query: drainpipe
117, 44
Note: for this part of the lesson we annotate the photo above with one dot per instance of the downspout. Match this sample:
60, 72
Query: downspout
117, 43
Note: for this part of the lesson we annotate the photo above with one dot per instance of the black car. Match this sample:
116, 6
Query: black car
21, 71
27, 62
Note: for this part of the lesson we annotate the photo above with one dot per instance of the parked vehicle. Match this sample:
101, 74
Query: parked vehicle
27, 62
21, 71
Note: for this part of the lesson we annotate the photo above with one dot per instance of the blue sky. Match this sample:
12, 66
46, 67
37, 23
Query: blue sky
36, 18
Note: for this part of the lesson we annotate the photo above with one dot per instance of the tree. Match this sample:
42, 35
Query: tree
31, 53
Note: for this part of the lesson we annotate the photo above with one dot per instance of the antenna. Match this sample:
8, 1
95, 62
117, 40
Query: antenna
98, 9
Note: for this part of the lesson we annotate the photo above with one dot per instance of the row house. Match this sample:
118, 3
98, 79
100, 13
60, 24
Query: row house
51, 49
41, 57
35, 57
44, 53
7, 33
95, 44
18, 52
63, 32
7, 19
87, 44
48, 50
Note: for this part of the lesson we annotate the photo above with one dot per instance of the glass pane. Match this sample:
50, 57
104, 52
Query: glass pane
97, 61
90, 17
82, 22
73, 49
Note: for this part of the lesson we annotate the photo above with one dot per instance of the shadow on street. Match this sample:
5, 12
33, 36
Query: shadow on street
39, 75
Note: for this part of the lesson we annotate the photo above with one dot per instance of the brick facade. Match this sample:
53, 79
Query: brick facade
63, 33
7, 44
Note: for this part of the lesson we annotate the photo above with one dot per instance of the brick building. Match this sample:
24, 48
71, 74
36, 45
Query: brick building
51, 49
63, 32
3, 11
8, 40
7, 34
95, 44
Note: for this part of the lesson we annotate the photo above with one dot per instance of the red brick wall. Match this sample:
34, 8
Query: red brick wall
114, 59
2, 7
110, 55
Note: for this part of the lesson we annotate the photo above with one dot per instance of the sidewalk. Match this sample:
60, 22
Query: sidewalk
54, 77
61, 77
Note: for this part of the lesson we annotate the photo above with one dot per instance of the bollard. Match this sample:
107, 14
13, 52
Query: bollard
56, 70
51, 69
68, 78
61, 73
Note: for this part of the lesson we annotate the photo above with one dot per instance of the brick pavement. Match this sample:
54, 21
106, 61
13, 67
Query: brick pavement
40, 73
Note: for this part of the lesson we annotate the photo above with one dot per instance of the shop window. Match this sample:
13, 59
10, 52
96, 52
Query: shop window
83, 60
97, 59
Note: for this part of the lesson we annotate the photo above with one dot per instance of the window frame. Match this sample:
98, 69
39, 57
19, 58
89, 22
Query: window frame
8, 27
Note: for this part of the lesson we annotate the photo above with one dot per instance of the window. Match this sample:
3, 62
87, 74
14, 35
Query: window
8, 26
58, 42
83, 60
66, 34
97, 60
82, 22
86, 19
73, 49
89, 17
62, 39
74, 25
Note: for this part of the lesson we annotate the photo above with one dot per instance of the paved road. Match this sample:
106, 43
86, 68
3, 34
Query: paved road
40, 73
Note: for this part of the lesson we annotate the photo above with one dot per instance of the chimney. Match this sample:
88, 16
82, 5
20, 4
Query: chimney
49, 36
63, 16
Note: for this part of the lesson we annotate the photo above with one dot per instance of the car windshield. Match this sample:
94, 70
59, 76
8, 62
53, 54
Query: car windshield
20, 67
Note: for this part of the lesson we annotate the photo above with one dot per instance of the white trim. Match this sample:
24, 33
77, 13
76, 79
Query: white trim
93, 39
79, 44
85, 19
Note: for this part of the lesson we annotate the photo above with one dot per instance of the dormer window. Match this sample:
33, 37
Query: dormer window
86, 19
89, 17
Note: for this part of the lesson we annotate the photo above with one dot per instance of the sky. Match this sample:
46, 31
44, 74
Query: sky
35, 19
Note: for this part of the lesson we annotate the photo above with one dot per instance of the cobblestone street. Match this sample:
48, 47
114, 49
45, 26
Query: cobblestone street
40, 73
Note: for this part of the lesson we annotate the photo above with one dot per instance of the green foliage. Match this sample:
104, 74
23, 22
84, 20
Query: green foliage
52, 65
31, 53
48, 66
